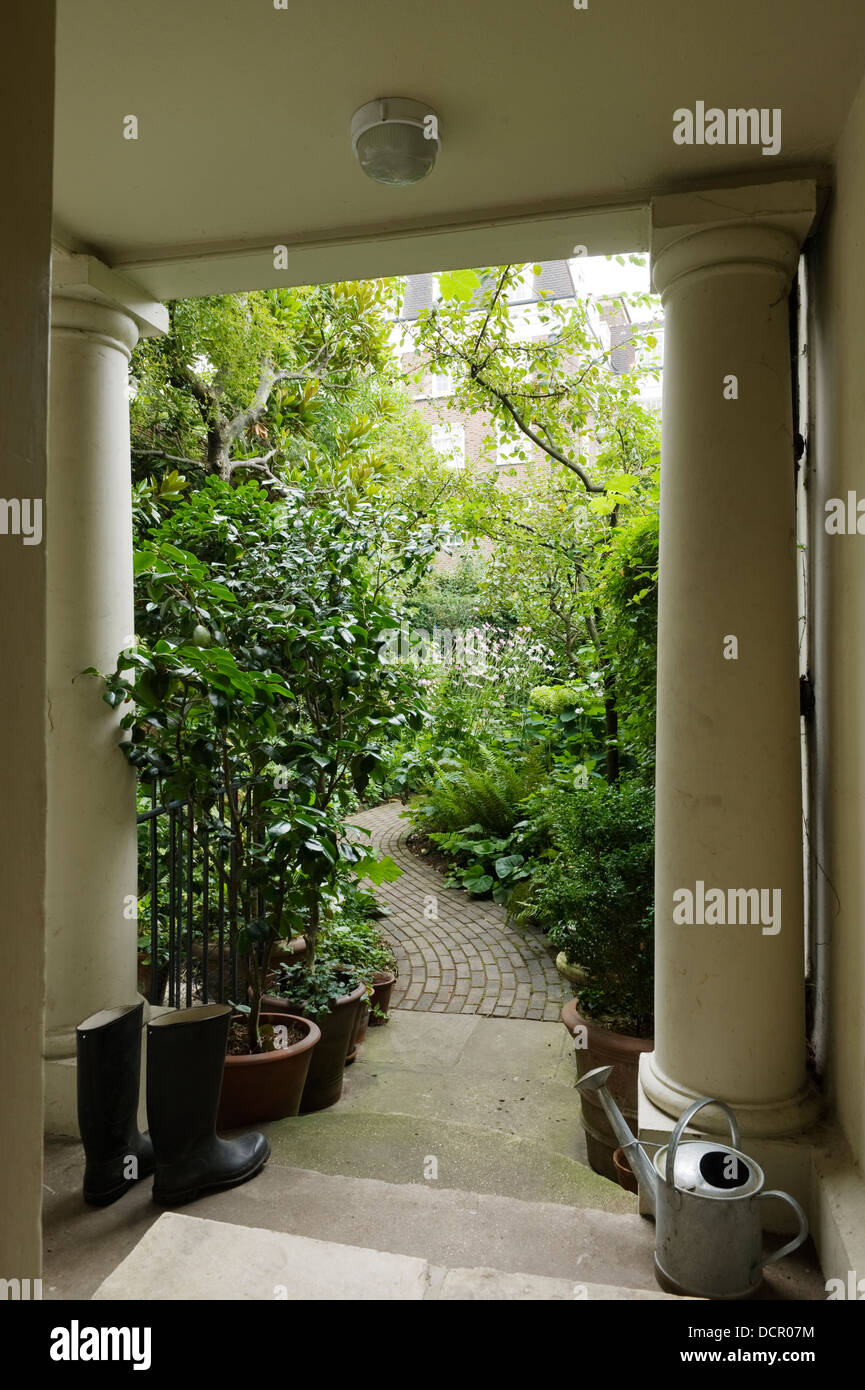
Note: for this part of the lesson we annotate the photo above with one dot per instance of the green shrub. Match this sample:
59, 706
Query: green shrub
552, 699
316, 990
595, 898
488, 794
258, 667
356, 942
450, 599
629, 598
487, 864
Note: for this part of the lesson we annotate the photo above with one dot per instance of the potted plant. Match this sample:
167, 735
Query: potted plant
270, 1051
307, 843
595, 901
267, 1084
382, 988
331, 985
351, 938
331, 995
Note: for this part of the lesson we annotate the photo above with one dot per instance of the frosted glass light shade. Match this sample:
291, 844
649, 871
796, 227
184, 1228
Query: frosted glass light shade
396, 140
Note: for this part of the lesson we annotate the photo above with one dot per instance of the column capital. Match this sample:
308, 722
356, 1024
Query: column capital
757, 228
89, 281
92, 319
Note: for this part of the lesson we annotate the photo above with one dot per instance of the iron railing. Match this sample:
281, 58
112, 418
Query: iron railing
186, 929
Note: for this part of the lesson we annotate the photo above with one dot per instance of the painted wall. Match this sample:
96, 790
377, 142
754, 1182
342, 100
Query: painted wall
26, 123
837, 451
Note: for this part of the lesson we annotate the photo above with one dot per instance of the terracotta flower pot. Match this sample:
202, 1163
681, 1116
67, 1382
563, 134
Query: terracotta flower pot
325, 1077
267, 1085
603, 1049
288, 952
383, 982
624, 1172
359, 1031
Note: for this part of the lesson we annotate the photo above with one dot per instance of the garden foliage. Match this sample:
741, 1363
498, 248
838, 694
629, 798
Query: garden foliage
288, 508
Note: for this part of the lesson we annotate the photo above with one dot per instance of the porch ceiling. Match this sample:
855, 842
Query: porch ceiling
547, 112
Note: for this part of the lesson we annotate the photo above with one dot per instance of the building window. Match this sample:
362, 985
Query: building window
441, 384
449, 441
435, 386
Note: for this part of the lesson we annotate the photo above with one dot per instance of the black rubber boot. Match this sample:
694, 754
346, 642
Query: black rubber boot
109, 1074
185, 1061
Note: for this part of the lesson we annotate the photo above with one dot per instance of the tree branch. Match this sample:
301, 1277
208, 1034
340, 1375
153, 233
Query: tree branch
259, 465
169, 458
475, 372
549, 449
499, 287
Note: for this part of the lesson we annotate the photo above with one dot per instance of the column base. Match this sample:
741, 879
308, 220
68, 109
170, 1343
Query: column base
61, 1097
773, 1120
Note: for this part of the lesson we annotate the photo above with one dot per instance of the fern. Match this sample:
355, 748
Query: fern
487, 791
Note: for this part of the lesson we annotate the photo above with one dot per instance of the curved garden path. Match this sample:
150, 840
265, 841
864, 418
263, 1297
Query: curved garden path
457, 955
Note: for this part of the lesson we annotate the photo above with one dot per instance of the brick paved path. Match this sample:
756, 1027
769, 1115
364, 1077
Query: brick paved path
465, 959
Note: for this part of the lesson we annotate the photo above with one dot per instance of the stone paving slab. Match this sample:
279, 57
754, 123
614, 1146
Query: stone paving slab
187, 1257
412, 1149
457, 954
508, 1075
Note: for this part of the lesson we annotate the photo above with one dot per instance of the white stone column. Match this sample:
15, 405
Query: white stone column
92, 847
729, 998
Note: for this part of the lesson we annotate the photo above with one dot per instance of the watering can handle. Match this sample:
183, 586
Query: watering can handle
682, 1124
803, 1227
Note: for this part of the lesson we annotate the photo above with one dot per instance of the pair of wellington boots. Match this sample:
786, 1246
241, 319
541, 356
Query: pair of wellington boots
185, 1060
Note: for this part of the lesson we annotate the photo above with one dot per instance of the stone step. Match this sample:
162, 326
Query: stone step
448, 1227
193, 1258
456, 1228
427, 1150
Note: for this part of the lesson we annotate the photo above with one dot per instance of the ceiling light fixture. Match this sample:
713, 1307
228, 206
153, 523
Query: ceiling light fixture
396, 140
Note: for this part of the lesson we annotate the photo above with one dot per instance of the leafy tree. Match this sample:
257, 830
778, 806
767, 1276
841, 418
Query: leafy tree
248, 385
548, 391
555, 534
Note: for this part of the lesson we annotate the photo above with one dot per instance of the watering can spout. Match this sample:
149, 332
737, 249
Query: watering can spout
644, 1171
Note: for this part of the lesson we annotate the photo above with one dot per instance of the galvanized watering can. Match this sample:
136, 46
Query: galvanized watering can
706, 1199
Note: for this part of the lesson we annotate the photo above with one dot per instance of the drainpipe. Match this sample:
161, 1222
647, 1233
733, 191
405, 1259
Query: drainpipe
816, 918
